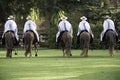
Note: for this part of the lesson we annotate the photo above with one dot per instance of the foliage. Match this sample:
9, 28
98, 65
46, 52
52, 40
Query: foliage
52, 10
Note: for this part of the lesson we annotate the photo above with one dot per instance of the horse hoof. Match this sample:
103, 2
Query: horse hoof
36, 55
70, 54
15, 53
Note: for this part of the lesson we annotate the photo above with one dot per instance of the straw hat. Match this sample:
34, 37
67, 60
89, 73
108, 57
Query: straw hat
83, 18
107, 17
28, 18
64, 18
11, 17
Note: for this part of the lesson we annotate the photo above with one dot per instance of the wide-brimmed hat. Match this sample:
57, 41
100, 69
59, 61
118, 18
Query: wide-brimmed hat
28, 17
64, 18
107, 17
11, 17
83, 18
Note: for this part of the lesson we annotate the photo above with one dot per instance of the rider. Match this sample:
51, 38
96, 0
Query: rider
108, 24
84, 26
63, 26
10, 25
30, 25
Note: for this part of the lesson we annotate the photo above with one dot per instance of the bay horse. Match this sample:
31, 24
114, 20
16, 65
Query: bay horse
85, 41
66, 43
9, 43
110, 41
29, 40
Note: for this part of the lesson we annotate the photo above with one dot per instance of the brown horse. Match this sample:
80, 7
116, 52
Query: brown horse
85, 41
66, 43
29, 40
110, 41
9, 43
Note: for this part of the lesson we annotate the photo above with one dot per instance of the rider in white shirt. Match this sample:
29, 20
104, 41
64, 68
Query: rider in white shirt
63, 25
30, 25
107, 24
84, 26
10, 25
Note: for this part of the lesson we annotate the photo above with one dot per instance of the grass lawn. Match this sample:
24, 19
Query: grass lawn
50, 65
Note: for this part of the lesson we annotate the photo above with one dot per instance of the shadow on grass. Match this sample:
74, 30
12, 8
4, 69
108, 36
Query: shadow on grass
89, 57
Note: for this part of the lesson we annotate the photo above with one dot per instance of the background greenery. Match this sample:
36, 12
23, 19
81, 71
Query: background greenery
47, 14
51, 65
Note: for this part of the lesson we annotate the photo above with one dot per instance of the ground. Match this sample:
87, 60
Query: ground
51, 65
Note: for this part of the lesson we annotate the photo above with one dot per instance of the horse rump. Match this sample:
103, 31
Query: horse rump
85, 41
110, 41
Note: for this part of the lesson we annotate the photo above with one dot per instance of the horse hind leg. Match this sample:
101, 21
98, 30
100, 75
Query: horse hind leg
25, 54
82, 53
9, 53
63, 52
30, 54
36, 50
68, 52
86, 53
111, 51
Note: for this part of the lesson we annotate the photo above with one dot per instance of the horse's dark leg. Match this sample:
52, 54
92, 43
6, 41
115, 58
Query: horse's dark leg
26, 54
7, 54
36, 50
16, 51
30, 54
63, 52
10, 53
86, 53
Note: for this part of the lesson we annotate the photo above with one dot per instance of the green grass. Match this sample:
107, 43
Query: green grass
50, 65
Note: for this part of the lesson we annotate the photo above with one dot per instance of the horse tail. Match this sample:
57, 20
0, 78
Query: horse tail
9, 41
27, 41
85, 39
68, 40
111, 38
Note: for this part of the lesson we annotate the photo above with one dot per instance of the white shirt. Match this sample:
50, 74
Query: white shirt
10, 25
108, 24
83, 25
65, 25
29, 25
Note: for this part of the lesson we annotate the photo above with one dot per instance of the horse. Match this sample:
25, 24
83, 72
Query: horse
9, 43
66, 43
85, 41
110, 41
29, 40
